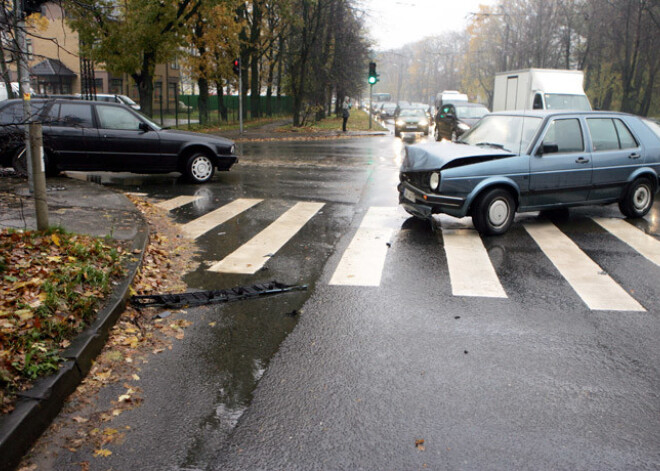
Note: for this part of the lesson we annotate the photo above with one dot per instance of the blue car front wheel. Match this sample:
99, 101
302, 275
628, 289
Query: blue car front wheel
493, 211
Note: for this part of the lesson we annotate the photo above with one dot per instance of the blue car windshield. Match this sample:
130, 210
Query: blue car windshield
510, 133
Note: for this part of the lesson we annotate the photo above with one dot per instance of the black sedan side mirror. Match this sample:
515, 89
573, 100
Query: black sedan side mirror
144, 127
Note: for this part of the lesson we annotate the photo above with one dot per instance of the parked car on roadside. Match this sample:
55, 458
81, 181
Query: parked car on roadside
528, 161
411, 120
454, 119
99, 136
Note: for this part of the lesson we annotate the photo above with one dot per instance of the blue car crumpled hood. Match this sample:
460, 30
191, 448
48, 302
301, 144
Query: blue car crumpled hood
435, 155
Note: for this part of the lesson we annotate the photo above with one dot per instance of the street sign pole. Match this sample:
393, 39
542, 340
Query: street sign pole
371, 107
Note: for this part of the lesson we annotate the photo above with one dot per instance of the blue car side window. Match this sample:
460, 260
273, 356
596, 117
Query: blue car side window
563, 136
626, 139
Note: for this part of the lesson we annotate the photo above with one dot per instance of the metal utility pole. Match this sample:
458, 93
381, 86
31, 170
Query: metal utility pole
33, 135
24, 81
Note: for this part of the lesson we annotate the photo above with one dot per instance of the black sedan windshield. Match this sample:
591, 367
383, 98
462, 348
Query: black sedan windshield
511, 133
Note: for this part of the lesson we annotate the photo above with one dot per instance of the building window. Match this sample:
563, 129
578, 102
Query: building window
116, 86
175, 63
98, 84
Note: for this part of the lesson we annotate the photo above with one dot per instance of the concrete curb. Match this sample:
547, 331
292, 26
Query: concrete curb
36, 408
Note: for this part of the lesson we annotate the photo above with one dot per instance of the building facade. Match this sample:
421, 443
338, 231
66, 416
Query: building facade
55, 65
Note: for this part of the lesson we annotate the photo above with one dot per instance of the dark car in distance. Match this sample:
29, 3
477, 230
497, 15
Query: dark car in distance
454, 119
99, 136
531, 161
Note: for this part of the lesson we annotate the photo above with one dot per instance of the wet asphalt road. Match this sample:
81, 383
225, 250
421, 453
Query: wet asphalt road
343, 377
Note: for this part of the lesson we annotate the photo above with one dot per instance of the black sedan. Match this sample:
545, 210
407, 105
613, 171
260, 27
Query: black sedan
98, 136
454, 119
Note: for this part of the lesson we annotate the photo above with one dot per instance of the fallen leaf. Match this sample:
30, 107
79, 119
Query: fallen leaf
80, 420
419, 444
102, 452
55, 239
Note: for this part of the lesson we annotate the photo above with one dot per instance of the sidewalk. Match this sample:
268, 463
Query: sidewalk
80, 207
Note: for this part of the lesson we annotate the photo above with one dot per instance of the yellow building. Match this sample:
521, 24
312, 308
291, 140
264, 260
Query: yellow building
55, 65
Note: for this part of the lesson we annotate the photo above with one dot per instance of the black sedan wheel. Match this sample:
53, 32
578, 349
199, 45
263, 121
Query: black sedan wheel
637, 199
493, 212
199, 168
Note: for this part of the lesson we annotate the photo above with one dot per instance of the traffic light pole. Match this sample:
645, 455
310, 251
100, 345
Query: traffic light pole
240, 98
371, 106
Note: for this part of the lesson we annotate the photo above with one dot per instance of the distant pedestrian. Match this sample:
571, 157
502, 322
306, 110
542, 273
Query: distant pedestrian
345, 112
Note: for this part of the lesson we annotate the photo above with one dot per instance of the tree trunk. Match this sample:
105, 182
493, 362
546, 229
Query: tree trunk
255, 56
4, 71
145, 83
222, 109
203, 101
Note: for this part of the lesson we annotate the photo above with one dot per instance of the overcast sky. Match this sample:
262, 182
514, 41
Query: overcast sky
394, 23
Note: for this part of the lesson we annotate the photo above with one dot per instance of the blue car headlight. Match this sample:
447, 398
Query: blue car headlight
434, 181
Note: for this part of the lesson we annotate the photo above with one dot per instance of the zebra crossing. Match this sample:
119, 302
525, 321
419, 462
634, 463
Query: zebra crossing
471, 272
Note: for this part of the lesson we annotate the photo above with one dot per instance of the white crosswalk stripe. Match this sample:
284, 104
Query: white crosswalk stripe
177, 202
203, 224
253, 255
470, 270
643, 243
597, 289
363, 261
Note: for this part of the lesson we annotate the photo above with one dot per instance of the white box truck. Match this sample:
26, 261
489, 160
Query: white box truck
540, 89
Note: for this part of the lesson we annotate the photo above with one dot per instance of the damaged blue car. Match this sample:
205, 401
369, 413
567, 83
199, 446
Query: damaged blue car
534, 160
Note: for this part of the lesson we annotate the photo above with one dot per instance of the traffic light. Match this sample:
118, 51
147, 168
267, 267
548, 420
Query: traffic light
373, 76
237, 66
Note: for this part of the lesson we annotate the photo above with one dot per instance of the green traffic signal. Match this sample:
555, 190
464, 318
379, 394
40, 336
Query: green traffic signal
373, 76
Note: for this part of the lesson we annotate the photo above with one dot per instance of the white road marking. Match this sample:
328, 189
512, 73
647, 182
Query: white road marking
205, 223
363, 261
643, 243
597, 289
177, 202
470, 270
253, 255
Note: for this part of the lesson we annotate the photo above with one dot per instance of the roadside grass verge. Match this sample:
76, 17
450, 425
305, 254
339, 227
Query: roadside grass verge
219, 126
51, 285
358, 121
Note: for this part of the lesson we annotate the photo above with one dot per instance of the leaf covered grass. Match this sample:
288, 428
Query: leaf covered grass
358, 121
51, 285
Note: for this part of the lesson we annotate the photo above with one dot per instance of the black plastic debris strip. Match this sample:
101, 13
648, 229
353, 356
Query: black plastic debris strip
200, 298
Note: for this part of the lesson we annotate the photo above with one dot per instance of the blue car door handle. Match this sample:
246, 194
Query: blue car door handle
582, 160
635, 155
